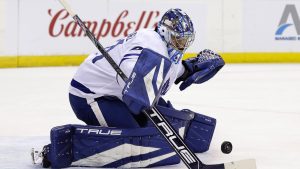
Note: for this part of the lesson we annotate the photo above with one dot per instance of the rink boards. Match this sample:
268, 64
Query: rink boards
240, 30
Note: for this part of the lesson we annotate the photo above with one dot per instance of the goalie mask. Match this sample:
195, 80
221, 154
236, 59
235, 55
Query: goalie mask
176, 29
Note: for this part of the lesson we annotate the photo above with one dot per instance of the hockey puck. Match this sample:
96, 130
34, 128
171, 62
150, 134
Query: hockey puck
226, 147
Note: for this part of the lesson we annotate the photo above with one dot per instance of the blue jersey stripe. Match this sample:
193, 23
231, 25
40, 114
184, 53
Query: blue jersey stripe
137, 48
81, 87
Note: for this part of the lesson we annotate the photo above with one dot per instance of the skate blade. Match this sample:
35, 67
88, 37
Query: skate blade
36, 157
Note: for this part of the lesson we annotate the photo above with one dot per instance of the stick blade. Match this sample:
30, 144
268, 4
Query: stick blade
241, 164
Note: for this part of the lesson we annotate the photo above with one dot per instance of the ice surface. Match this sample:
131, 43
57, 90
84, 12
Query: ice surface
257, 108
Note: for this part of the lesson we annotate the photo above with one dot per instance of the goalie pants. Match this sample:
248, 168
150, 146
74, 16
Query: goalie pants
105, 111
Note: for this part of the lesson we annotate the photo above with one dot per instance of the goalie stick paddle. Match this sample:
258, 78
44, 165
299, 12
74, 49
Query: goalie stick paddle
187, 156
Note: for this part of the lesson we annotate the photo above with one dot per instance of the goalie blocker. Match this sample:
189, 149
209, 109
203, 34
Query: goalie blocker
93, 146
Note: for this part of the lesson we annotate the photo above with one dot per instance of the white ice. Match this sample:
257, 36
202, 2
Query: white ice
257, 108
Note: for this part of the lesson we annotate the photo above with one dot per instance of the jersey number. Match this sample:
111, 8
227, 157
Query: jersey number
109, 48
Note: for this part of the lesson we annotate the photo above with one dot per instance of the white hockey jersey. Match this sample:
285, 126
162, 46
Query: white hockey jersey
95, 77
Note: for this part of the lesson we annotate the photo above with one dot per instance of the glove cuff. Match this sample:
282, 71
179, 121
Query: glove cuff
186, 73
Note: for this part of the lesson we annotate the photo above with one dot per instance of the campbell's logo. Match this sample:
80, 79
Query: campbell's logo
289, 24
121, 26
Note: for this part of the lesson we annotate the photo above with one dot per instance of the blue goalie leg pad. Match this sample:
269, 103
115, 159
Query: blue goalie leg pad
200, 132
60, 153
122, 148
93, 146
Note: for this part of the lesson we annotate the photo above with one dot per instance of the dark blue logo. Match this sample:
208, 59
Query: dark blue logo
165, 87
285, 24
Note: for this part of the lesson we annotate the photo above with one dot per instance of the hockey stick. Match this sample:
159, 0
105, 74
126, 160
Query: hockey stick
186, 155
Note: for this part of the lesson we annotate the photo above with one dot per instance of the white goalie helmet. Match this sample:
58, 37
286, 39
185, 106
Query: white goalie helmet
176, 29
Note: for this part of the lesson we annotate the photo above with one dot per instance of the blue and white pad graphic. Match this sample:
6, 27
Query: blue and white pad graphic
145, 80
93, 146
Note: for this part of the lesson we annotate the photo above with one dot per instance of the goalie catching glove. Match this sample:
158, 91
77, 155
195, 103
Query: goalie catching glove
200, 69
